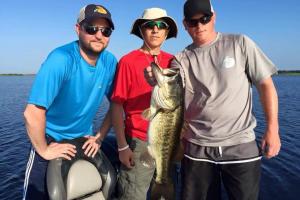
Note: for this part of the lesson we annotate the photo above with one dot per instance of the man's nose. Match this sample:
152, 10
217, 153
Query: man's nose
155, 29
99, 34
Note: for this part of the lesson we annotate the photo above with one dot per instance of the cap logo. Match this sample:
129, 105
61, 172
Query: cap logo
100, 10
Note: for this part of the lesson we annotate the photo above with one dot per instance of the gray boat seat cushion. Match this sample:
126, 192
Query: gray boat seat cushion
83, 179
96, 196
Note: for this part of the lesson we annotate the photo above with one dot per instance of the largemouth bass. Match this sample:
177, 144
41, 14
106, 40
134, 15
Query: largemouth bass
166, 121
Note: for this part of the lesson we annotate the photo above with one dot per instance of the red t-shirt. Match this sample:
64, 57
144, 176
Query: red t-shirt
133, 92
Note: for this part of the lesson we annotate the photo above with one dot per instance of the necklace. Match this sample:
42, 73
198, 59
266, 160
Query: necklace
155, 57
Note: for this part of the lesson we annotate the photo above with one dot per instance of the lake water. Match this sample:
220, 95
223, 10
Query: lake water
280, 175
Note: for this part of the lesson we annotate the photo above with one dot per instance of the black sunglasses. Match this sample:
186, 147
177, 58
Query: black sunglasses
158, 24
92, 30
194, 22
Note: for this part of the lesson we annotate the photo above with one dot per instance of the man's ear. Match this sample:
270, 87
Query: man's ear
77, 28
214, 17
167, 33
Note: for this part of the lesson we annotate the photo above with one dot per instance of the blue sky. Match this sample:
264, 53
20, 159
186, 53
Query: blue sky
31, 29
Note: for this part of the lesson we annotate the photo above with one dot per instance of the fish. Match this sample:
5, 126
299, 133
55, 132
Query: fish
165, 114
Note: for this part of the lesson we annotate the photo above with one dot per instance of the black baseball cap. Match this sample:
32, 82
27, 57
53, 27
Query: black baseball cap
193, 7
92, 11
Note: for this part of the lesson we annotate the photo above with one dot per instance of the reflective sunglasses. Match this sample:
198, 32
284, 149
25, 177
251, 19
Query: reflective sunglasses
194, 22
92, 30
158, 24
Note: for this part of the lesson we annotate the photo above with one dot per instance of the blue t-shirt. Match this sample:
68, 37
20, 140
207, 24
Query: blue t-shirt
72, 90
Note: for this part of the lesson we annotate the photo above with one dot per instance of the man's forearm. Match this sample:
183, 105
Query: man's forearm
106, 125
118, 124
269, 100
35, 121
270, 143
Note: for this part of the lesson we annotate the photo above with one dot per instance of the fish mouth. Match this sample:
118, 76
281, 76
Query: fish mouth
162, 75
157, 72
155, 67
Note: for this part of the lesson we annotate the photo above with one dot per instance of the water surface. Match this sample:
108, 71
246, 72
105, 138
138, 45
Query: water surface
280, 176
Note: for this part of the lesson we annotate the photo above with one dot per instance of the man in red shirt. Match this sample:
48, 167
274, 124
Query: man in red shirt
132, 95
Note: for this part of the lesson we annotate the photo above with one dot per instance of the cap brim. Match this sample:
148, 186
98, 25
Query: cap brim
98, 17
173, 30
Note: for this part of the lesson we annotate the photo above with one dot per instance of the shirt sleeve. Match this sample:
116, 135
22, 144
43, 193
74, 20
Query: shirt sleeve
177, 64
258, 65
109, 89
122, 84
48, 80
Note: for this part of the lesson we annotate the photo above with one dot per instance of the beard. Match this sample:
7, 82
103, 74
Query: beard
92, 48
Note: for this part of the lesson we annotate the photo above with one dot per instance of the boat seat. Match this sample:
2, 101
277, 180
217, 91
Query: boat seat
81, 178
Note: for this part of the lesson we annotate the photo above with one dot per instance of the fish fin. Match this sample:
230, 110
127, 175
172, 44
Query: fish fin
147, 158
162, 191
149, 113
179, 153
146, 114
184, 129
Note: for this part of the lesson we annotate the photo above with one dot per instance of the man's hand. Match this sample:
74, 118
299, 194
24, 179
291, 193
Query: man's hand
271, 144
268, 96
57, 150
149, 76
126, 158
91, 146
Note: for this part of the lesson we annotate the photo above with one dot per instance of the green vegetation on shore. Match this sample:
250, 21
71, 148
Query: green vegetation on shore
280, 72
289, 72
17, 74
11, 74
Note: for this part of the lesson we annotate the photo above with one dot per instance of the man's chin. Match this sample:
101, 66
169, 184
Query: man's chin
97, 49
155, 45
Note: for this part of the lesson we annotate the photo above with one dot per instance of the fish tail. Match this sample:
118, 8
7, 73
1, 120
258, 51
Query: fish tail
162, 191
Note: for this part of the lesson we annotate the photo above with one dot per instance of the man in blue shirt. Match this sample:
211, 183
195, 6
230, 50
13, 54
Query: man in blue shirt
66, 95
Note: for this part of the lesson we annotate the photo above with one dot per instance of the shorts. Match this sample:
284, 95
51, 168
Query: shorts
134, 183
35, 186
202, 180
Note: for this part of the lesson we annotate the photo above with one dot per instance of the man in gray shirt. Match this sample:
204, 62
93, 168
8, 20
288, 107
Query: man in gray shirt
218, 71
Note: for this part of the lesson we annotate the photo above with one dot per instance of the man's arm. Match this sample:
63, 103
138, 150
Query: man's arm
268, 97
35, 121
93, 143
106, 125
125, 153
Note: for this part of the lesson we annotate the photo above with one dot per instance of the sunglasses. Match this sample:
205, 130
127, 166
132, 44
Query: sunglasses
194, 22
158, 24
92, 30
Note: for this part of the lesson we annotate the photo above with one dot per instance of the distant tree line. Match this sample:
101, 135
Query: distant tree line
11, 74
289, 72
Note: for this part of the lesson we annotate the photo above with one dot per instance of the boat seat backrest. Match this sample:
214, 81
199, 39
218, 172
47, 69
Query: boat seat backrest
83, 180
82, 177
